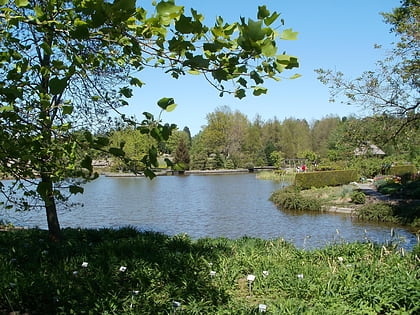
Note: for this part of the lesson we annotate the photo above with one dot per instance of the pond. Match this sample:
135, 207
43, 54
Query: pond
229, 206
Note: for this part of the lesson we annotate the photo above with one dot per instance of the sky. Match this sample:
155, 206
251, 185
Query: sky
333, 34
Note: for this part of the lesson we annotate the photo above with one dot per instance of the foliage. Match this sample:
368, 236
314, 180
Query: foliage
66, 65
291, 199
392, 90
405, 213
182, 155
277, 159
37, 276
402, 170
326, 178
396, 186
358, 197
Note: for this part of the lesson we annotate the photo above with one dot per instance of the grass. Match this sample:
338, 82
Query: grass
39, 277
280, 176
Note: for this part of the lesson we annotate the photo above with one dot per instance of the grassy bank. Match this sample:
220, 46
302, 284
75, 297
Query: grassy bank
127, 272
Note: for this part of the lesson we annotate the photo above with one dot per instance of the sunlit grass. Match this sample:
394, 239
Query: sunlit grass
127, 272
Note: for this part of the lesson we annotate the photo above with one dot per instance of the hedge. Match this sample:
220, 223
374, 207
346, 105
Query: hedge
308, 180
402, 170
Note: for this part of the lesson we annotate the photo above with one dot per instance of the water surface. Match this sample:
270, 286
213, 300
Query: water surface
229, 206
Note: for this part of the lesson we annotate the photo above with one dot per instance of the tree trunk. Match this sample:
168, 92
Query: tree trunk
51, 209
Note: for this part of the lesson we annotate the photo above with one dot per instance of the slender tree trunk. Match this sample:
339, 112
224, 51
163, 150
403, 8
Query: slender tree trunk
51, 209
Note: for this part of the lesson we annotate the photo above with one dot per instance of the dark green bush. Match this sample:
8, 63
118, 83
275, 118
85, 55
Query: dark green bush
358, 197
291, 199
327, 178
380, 212
401, 170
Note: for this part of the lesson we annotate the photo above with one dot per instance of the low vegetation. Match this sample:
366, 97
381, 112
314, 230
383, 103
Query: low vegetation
130, 272
403, 206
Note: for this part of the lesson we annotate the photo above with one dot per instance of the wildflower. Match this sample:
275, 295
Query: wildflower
265, 273
262, 308
75, 273
300, 276
176, 304
340, 259
85, 264
250, 278
123, 269
212, 273
135, 292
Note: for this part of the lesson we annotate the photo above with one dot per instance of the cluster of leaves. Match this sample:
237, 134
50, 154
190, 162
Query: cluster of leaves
83, 275
66, 66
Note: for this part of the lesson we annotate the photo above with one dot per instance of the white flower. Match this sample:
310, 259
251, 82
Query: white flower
300, 276
262, 308
176, 304
265, 273
250, 278
340, 259
75, 273
212, 273
85, 264
123, 269
135, 292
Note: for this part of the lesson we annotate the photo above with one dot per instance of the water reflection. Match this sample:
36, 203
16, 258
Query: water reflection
207, 206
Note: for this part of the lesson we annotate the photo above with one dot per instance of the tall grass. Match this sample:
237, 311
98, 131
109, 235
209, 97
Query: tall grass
83, 275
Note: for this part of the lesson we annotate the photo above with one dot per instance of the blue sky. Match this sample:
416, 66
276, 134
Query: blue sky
333, 34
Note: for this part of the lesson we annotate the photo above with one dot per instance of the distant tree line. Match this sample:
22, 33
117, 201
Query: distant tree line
231, 140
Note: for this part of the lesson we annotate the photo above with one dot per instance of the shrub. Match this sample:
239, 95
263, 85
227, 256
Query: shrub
381, 212
291, 199
358, 197
327, 178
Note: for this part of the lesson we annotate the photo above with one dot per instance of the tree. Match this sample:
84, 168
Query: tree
64, 65
320, 133
182, 156
392, 89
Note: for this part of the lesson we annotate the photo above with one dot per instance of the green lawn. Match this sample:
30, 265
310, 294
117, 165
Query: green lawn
84, 275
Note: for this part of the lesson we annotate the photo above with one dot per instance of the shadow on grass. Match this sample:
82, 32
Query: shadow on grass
125, 271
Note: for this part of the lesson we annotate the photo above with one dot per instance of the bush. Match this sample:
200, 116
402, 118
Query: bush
327, 178
291, 199
380, 212
402, 170
358, 197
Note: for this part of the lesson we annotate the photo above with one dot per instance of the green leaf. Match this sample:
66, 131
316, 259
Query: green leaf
126, 92
269, 20
67, 109
57, 86
255, 31
170, 108
136, 82
165, 102
259, 90
42, 189
295, 76
263, 12
116, 152
168, 11
149, 173
22, 3
87, 163
240, 93
289, 34
3, 2
74, 189
256, 77
269, 48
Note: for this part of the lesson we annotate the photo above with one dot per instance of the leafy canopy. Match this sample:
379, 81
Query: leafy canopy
65, 66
